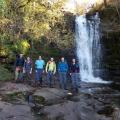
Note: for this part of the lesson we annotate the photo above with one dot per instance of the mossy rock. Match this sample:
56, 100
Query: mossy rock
14, 97
39, 99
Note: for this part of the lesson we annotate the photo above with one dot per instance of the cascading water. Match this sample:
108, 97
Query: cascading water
88, 47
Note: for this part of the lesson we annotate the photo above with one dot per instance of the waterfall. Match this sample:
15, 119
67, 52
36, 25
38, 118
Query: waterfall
88, 46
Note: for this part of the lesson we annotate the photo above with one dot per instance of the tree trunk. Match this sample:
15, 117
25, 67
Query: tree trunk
105, 3
117, 9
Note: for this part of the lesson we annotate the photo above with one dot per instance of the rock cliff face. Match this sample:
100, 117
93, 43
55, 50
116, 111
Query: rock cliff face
110, 26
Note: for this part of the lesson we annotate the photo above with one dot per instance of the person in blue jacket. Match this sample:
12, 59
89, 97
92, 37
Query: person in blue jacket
62, 70
39, 69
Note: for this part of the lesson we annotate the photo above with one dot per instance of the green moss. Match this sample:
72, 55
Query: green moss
111, 44
5, 74
14, 97
39, 99
46, 53
52, 52
109, 14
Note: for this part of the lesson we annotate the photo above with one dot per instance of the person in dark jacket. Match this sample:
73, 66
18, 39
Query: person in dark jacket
74, 72
19, 64
28, 68
62, 70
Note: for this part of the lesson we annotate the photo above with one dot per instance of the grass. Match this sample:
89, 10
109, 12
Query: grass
5, 75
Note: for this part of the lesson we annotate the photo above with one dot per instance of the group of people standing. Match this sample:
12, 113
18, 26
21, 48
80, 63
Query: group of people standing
25, 68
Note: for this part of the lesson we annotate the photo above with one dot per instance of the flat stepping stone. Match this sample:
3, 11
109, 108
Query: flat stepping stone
15, 112
10, 88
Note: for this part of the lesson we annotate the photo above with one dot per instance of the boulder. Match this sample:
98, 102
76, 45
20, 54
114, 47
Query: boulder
15, 112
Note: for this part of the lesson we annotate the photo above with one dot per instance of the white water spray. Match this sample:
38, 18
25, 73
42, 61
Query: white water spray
88, 38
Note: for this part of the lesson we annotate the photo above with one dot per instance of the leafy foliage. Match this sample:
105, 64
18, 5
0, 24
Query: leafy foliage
24, 23
5, 75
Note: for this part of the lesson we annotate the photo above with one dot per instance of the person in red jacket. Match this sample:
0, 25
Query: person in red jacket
74, 72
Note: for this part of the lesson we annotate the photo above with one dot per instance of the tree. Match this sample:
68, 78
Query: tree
105, 3
29, 20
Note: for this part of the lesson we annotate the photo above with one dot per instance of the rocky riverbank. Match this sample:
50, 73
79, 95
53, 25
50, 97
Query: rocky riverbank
94, 102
